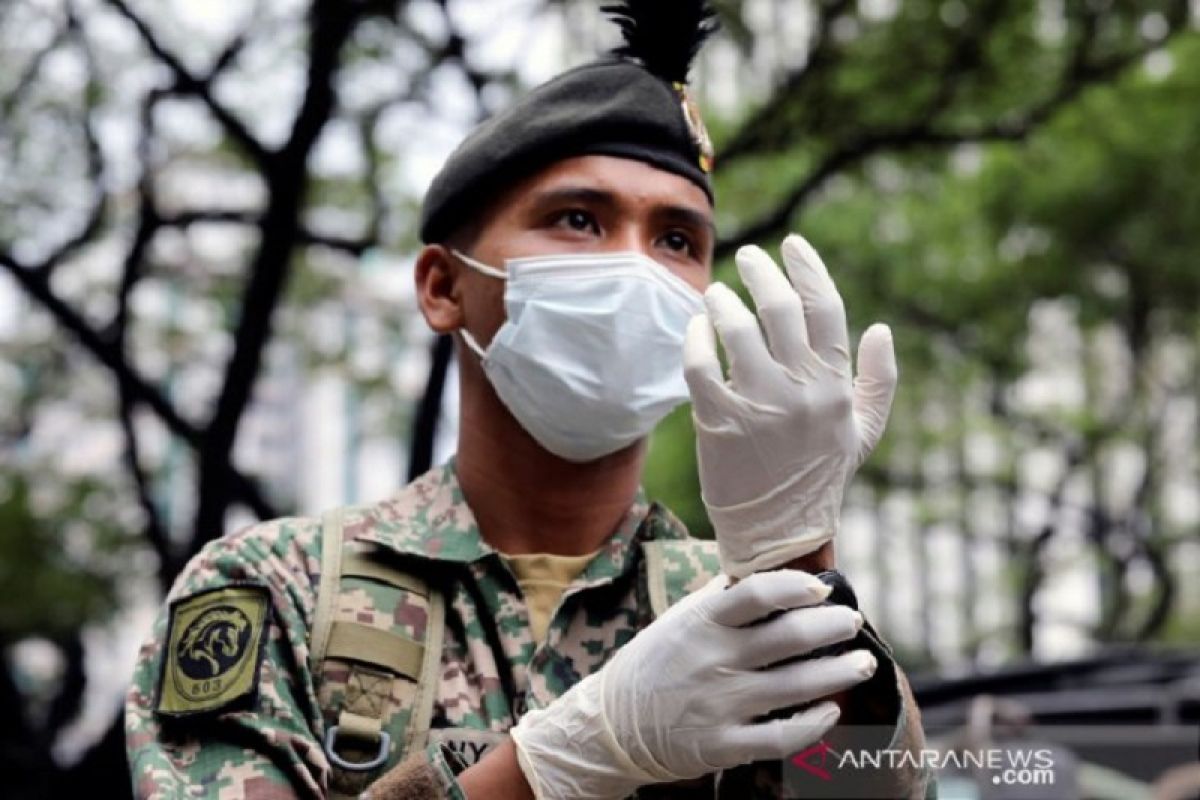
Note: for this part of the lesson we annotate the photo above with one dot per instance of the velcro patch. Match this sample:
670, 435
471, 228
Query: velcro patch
214, 649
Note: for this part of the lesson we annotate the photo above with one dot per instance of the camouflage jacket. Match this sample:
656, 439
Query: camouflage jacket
267, 744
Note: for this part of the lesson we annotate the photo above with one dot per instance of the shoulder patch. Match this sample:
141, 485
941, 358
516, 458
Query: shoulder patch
215, 642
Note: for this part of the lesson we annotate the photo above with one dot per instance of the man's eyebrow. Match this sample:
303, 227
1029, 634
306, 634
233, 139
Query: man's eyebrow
573, 194
685, 215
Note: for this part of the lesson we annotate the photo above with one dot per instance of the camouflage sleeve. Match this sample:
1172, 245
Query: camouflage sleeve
222, 703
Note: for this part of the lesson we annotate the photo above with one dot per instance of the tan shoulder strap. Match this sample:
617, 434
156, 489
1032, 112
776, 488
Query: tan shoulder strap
378, 683
327, 588
429, 679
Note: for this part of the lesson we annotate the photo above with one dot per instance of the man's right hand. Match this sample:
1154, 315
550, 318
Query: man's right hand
680, 699
779, 439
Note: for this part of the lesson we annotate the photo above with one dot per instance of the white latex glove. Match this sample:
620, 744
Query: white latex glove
678, 700
778, 442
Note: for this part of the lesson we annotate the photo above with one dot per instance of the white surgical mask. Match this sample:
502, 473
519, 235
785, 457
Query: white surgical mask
591, 355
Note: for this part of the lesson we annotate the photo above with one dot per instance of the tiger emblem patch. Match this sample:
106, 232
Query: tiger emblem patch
214, 649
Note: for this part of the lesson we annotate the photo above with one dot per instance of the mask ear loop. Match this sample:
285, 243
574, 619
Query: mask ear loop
491, 272
479, 266
472, 344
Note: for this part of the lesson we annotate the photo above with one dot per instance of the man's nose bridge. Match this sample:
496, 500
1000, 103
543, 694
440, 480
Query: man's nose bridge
631, 235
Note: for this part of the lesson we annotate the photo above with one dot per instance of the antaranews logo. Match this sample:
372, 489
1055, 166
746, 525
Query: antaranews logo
808, 760
823, 771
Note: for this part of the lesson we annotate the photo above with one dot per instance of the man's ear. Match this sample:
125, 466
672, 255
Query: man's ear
437, 276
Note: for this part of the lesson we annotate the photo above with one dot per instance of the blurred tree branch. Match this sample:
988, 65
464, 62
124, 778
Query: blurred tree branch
36, 285
747, 139
280, 232
923, 129
132, 271
331, 23
187, 83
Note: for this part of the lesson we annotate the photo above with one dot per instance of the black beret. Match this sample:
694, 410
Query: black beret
632, 104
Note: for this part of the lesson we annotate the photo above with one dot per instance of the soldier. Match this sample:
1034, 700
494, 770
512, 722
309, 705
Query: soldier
500, 627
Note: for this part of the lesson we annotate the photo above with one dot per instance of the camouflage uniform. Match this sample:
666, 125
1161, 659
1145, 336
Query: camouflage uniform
491, 667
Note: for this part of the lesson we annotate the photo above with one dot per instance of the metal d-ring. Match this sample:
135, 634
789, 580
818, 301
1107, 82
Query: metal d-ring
385, 743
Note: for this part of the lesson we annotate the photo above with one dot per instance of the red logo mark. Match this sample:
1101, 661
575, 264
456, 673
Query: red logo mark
801, 760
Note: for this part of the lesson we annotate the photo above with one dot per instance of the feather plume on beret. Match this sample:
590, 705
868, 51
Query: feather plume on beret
631, 103
663, 36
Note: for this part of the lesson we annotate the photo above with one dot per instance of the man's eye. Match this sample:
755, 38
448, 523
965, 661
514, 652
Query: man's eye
578, 220
677, 242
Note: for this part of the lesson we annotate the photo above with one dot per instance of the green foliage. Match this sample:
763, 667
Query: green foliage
956, 248
61, 558
670, 475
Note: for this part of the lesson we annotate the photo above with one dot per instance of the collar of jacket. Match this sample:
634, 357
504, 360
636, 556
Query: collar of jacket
430, 519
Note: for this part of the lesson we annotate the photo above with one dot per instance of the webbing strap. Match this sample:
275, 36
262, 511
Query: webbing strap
343, 785
360, 726
327, 589
357, 565
428, 681
354, 641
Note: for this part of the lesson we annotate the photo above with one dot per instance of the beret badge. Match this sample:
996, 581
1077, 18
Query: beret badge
695, 124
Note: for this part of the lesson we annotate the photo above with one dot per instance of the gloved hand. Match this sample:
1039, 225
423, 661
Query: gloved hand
677, 701
779, 441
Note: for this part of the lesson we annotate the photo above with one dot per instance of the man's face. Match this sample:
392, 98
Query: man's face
590, 204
